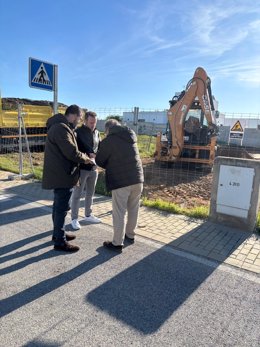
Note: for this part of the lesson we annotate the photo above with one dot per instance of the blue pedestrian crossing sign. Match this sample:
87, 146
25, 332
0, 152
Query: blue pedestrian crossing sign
41, 74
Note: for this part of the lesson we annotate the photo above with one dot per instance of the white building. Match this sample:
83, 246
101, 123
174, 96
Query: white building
157, 117
225, 119
246, 120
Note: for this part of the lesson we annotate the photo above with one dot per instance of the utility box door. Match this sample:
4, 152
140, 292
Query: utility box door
235, 188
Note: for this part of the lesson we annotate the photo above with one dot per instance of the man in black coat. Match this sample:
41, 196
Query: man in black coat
119, 155
61, 170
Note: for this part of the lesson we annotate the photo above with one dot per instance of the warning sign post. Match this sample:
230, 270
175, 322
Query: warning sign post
236, 133
237, 127
43, 75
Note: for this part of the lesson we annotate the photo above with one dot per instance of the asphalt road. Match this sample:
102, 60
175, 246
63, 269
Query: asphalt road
150, 295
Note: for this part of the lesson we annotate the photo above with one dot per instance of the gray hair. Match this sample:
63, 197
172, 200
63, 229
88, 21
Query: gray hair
110, 124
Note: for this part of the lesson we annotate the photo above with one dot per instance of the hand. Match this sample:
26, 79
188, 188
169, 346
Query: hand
90, 161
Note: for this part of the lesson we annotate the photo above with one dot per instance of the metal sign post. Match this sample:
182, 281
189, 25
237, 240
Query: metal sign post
43, 75
55, 93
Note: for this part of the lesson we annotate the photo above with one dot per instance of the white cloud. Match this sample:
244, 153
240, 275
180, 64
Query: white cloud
247, 72
208, 29
220, 29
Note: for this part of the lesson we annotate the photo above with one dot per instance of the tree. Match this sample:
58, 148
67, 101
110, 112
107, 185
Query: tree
116, 116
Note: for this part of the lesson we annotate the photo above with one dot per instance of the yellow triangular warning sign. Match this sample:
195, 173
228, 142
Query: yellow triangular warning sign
237, 127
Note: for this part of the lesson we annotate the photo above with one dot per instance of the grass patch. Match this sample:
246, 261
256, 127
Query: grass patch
10, 162
101, 185
258, 223
146, 145
201, 212
196, 212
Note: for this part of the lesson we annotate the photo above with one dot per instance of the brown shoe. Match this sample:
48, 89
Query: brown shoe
110, 245
66, 247
69, 237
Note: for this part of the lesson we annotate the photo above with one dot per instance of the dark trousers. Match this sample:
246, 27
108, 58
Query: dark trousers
60, 208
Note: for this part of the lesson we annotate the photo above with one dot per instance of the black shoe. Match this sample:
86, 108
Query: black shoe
69, 237
66, 247
110, 245
129, 239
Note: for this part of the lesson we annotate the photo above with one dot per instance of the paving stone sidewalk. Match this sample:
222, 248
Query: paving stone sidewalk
199, 237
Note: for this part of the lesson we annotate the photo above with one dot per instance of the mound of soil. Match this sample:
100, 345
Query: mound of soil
185, 187
11, 103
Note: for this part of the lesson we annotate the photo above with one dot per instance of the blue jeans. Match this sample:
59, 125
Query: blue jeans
60, 208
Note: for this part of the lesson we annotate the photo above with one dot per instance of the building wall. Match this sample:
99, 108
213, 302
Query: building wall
223, 136
251, 138
157, 117
150, 123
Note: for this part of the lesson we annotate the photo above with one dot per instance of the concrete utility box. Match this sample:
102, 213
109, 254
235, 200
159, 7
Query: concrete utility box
235, 192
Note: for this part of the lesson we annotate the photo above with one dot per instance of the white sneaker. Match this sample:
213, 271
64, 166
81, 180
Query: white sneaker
75, 224
92, 219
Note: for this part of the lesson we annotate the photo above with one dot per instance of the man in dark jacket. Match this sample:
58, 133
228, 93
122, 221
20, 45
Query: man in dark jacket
119, 155
61, 171
88, 140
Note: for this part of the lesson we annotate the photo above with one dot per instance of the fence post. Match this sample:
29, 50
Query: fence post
136, 113
27, 145
20, 140
20, 126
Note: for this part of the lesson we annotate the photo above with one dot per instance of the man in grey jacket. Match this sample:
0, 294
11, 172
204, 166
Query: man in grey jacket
119, 155
61, 170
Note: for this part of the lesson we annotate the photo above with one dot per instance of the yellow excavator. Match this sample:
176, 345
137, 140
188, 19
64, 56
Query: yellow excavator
192, 130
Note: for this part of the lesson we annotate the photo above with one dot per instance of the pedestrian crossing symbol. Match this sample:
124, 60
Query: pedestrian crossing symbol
41, 74
237, 127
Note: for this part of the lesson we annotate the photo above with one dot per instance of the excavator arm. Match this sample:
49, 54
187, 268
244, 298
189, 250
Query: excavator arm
198, 87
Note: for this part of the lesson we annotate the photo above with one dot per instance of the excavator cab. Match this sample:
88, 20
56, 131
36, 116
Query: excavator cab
191, 132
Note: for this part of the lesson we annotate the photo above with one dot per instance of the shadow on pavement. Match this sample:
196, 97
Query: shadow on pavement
38, 290
211, 240
11, 247
31, 260
142, 296
19, 215
31, 189
145, 295
38, 343
24, 252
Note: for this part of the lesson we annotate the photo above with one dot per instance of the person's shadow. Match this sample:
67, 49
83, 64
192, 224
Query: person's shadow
28, 295
147, 293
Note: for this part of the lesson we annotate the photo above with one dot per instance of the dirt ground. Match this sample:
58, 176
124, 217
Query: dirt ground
185, 186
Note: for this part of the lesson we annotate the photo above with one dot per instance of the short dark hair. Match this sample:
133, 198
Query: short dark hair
73, 109
90, 114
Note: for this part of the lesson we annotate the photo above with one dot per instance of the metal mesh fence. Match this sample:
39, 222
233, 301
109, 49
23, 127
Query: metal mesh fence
184, 182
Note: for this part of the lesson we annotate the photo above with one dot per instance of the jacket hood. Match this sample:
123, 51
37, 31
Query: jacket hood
124, 133
57, 118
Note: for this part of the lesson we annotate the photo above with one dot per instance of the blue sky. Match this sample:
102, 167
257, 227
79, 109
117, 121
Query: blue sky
125, 53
